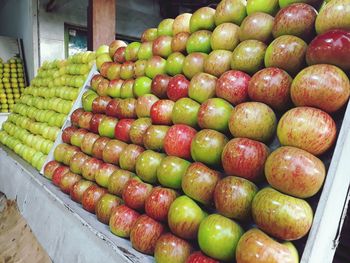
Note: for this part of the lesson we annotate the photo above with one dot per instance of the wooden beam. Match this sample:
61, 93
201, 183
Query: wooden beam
101, 24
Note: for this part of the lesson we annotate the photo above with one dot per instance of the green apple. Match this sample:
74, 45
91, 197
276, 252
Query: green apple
185, 111
201, 19
199, 41
165, 27
107, 126
265, 6
87, 102
142, 86
145, 51
174, 63
147, 164
230, 11
171, 170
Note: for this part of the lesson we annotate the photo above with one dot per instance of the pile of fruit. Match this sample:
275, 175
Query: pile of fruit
39, 114
208, 135
12, 83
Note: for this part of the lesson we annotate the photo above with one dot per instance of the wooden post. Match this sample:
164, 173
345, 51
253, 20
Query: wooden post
101, 23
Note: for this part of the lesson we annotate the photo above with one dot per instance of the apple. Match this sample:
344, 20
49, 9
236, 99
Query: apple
142, 86
199, 183
122, 130
272, 87
76, 138
185, 111
297, 20
68, 154
144, 104
98, 147
248, 56
87, 101
101, 90
95, 81
145, 51
257, 26
193, 64
95, 122
174, 63
165, 27
119, 55
159, 85
127, 70
127, 89
218, 62
145, 233
202, 18
104, 172
78, 189
199, 42
146, 165
102, 50
177, 141
177, 87
84, 120
155, 65
215, 114
286, 52
266, 6
77, 161
67, 181
131, 51
315, 86
149, 34
102, 58
233, 197
225, 37
127, 160
170, 248
182, 23
121, 220
198, 256
232, 11
105, 206
67, 133
107, 126
88, 142
140, 68
135, 193
178, 42
126, 109
334, 15
114, 45
245, 158
153, 139
171, 171
50, 168
117, 181
250, 248
202, 87
104, 68
294, 129
74, 118
284, 3
161, 112
295, 172
158, 203
138, 129
58, 174
162, 46
292, 216
218, 237
90, 168
114, 89
91, 196
184, 217
207, 146
112, 151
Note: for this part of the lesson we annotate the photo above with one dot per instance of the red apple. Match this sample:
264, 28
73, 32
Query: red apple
84, 120
88, 142
199, 257
50, 168
177, 141
114, 45
77, 161
117, 181
245, 158
105, 206
126, 109
138, 129
161, 112
194, 64
294, 129
74, 118
178, 42
67, 133
58, 174
158, 203
104, 172
119, 55
95, 122
112, 151
178, 87
98, 147
122, 220
111, 109
96, 79
67, 181
135, 193
78, 189
91, 196
127, 160
159, 85
90, 168
202, 87
144, 104
122, 130
104, 68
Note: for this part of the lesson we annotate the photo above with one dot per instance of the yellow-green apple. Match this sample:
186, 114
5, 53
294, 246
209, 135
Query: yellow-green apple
153, 139
159, 85
77, 161
255, 246
198, 256
171, 171
161, 112
292, 216
218, 237
178, 42
182, 23
138, 129
122, 130
248, 56
233, 197
257, 26
58, 174
104, 172
142, 86
114, 89
184, 217
114, 45
162, 46
74, 118
270, 6
145, 51
102, 59
225, 37
119, 55
307, 128
144, 234
178, 87
126, 91
88, 142
214, 114
155, 65
96, 79
218, 62
146, 165
140, 68
245, 158
127, 70
98, 147
131, 51
68, 153
135, 193
84, 120
101, 90
295, 172
230, 11
78, 189
177, 141
126, 109
332, 47
144, 104
95, 122
199, 41
117, 181
158, 203
174, 63
321, 86
149, 34
50, 168
105, 206
193, 64
199, 183
67, 133
90, 168
202, 87
253, 120
203, 18
91, 196
185, 111
87, 101
128, 157
165, 27
112, 151
67, 181
121, 220
207, 146
107, 126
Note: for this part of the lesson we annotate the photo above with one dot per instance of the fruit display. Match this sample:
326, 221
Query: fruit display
37, 117
12, 83
207, 141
